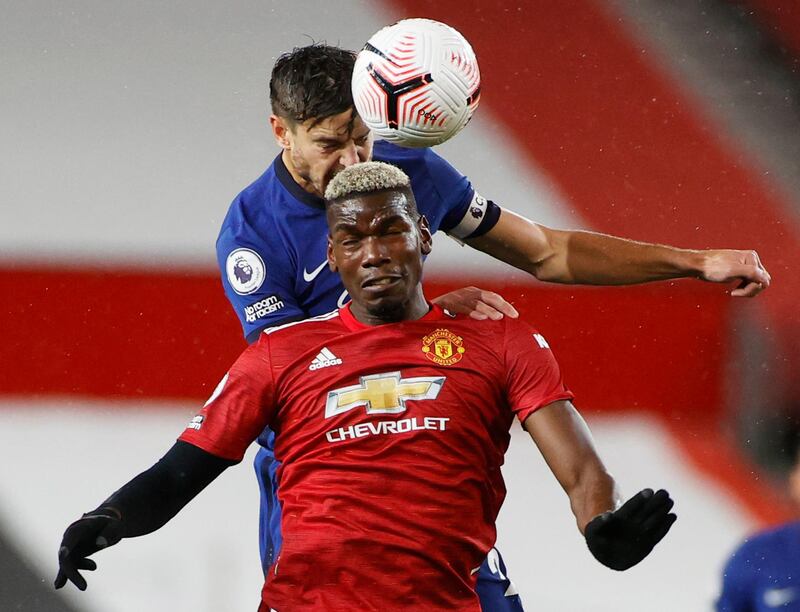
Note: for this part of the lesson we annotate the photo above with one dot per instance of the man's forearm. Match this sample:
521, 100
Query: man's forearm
153, 497
581, 257
599, 259
566, 444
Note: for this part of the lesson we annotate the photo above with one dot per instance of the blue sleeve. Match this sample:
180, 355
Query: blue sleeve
466, 213
453, 188
738, 588
258, 281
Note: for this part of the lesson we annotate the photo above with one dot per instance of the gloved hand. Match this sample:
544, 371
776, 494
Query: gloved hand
622, 538
94, 531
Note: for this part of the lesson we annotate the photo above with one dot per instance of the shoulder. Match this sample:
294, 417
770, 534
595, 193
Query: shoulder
253, 205
391, 153
253, 221
769, 539
520, 327
296, 331
487, 332
767, 547
418, 163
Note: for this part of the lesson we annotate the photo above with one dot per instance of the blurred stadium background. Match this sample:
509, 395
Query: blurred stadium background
126, 130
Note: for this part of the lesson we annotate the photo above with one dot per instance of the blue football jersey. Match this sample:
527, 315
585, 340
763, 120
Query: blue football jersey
272, 253
764, 573
273, 242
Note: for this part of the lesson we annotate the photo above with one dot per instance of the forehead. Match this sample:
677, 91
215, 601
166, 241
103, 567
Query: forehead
335, 126
370, 207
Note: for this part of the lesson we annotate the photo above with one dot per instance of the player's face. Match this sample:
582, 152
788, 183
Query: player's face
314, 153
376, 247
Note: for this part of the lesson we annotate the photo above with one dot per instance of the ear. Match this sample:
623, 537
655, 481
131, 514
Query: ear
331, 259
281, 131
425, 235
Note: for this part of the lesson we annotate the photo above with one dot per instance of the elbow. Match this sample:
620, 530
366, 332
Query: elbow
551, 263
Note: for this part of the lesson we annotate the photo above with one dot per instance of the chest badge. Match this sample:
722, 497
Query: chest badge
443, 347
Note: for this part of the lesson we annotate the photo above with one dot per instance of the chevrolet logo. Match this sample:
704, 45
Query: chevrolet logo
382, 393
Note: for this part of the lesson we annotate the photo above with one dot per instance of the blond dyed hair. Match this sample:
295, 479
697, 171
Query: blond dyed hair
366, 177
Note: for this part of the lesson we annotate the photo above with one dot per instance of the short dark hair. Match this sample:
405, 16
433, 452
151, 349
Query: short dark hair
312, 82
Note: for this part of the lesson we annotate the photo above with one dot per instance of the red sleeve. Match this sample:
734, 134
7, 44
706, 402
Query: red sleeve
533, 378
239, 409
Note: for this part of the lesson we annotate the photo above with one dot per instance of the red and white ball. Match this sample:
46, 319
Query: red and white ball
416, 83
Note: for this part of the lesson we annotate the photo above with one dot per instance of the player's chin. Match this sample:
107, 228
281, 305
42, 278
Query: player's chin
388, 306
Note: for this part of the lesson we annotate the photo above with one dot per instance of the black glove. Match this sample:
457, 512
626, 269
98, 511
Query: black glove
94, 531
622, 538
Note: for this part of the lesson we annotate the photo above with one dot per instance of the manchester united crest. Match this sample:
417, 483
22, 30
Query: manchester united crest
443, 347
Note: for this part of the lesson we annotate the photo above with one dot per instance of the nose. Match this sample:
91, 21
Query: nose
349, 155
375, 253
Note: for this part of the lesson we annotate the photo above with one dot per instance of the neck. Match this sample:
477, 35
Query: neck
304, 183
411, 310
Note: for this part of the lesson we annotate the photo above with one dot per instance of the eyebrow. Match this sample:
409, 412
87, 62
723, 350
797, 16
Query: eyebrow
335, 140
326, 140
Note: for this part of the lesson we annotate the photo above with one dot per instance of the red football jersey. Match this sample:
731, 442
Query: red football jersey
390, 440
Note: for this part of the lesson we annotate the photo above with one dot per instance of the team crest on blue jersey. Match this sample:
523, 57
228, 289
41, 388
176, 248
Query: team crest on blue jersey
246, 271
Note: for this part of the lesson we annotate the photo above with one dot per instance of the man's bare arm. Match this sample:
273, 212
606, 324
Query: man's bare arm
566, 444
580, 257
619, 537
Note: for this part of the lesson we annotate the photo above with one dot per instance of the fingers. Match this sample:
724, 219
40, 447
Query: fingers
655, 515
61, 579
477, 315
81, 539
86, 564
753, 258
663, 528
499, 304
753, 276
746, 289
724, 266
634, 504
487, 311
68, 570
656, 505
477, 303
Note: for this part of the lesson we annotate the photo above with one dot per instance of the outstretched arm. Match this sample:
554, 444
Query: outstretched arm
579, 257
618, 536
143, 505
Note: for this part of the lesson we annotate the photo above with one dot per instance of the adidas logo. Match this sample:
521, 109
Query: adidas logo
324, 359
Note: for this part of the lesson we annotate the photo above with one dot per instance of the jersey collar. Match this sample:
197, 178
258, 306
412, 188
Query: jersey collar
350, 322
286, 179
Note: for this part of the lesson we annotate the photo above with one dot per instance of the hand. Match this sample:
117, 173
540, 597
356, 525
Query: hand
92, 532
724, 266
622, 538
476, 303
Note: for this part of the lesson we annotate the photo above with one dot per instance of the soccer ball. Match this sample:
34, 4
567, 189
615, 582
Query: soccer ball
416, 83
